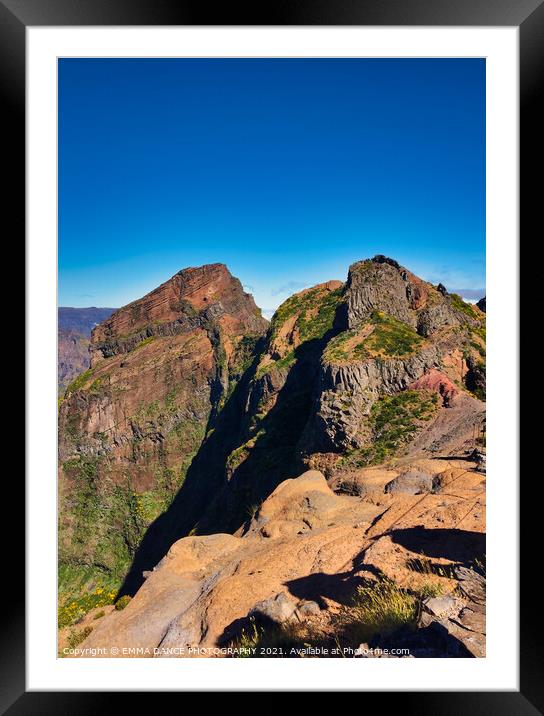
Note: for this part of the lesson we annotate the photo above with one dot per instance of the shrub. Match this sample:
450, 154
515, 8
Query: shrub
249, 640
381, 608
76, 637
430, 589
73, 605
122, 602
393, 419
276, 641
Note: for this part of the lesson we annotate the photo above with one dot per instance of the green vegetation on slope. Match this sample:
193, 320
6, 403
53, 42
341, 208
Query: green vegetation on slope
392, 337
278, 365
144, 343
388, 338
80, 590
102, 521
267, 448
243, 355
466, 308
100, 524
239, 454
79, 382
394, 420
315, 310
477, 340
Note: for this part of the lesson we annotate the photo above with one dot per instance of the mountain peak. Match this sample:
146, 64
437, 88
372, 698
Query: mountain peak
191, 298
381, 259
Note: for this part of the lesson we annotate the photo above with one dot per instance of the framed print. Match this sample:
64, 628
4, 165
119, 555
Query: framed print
272, 351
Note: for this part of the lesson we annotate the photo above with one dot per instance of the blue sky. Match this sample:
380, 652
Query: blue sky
287, 170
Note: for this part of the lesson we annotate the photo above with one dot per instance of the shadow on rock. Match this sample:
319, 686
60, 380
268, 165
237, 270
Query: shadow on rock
340, 587
461, 546
433, 641
314, 587
210, 501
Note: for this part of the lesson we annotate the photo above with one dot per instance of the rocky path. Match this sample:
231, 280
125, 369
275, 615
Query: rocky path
309, 546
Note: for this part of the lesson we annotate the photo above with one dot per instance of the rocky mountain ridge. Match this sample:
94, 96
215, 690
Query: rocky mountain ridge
195, 411
130, 425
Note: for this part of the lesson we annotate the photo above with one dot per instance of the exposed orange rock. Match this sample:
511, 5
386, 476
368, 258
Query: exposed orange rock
306, 542
436, 381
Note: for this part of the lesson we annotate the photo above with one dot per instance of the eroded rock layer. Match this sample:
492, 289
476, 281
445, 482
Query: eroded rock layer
130, 425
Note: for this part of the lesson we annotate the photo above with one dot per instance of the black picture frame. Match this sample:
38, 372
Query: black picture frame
15, 17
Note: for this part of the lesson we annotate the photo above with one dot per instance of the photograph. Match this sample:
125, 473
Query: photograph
271, 357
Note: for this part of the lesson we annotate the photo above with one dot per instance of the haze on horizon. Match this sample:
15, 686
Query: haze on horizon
286, 170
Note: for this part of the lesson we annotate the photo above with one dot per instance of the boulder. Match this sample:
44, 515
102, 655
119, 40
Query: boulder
308, 608
471, 584
411, 482
440, 606
278, 609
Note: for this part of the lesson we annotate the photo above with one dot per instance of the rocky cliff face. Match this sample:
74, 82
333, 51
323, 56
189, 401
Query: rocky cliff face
395, 330
207, 298
130, 425
191, 394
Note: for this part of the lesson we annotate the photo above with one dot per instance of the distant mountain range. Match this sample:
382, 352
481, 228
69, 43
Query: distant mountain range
74, 334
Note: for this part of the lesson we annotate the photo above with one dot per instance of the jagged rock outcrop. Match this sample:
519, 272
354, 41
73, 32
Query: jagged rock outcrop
482, 304
381, 284
398, 332
129, 426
